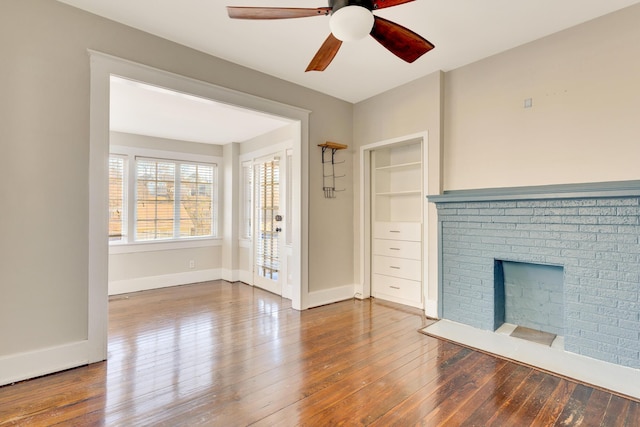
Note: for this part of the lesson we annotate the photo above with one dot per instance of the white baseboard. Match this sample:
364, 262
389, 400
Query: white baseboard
287, 291
163, 281
22, 366
245, 277
229, 275
431, 308
328, 296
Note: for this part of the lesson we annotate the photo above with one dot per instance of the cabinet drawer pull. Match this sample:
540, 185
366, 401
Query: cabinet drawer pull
394, 231
395, 287
394, 267
394, 249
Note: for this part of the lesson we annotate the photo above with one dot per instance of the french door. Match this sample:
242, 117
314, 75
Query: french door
267, 271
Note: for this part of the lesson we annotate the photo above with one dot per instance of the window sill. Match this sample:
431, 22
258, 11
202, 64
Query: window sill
167, 245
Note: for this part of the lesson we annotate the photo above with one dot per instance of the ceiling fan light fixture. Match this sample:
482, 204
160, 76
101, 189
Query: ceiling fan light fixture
351, 23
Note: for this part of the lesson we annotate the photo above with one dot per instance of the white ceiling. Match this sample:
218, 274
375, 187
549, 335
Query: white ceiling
144, 109
463, 31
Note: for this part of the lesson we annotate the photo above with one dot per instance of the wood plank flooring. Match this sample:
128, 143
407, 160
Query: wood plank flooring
222, 354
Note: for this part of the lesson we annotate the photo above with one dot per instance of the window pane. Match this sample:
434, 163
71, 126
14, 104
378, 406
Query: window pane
116, 199
155, 188
196, 200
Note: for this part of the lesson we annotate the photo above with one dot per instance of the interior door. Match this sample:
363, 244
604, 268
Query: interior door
268, 225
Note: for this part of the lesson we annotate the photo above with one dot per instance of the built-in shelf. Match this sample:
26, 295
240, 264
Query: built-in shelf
398, 167
397, 202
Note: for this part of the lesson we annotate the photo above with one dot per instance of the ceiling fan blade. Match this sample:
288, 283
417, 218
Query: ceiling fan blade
400, 41
325, 54
238, 12
381, 4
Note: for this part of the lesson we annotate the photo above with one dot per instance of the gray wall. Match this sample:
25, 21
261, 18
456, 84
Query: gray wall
44, 167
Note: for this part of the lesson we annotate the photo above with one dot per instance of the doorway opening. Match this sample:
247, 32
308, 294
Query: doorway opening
102, 68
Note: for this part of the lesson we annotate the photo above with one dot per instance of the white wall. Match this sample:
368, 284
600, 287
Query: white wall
583, 126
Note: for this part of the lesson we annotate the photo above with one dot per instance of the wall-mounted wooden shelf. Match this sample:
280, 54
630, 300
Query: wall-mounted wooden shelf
329, 173
333, 145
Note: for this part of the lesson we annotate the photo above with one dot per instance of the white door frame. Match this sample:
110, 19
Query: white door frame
102, 67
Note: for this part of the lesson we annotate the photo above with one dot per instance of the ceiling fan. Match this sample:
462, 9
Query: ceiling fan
350, 20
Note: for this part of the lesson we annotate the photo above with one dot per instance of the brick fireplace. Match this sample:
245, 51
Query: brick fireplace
591, 232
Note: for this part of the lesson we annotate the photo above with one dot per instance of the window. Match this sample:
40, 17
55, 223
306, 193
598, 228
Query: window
171, 199
117, 199
174, 199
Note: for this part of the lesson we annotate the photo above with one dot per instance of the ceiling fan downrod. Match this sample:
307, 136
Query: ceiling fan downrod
336, 5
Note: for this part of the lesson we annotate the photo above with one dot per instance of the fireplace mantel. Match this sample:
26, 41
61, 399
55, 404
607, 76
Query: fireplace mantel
542, 192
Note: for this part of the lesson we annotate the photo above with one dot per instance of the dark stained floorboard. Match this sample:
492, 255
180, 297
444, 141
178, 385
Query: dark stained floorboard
227, 354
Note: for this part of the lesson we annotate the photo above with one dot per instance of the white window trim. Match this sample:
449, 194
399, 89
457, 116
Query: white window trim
132, 246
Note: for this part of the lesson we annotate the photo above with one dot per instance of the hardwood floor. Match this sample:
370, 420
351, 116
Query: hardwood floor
226, 354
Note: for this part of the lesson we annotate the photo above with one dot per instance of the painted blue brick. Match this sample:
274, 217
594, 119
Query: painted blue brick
602, 273
580, 254
618, 202
583, 237
630, 283
628, 210
599, 228
599, 211
623, 220
585, 348
585, 326
557, 211
595, 301
633, 345
531, 204
599, 337
629, 229
503, 204
618, 237
599, 264
600, 319
547, 219
619, 313
576, 202
617, 350
580, 219
623, 258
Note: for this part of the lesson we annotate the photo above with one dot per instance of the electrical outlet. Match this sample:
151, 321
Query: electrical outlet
192, 264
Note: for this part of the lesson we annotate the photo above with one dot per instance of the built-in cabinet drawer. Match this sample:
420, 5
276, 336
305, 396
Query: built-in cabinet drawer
400, 290
398, 231
398, 267
397, 248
